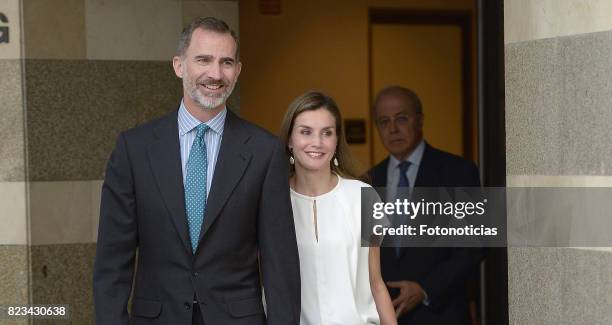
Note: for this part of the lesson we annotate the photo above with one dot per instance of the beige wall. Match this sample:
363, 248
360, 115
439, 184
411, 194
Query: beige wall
558, 99
312, 45
14, 232
75, 74
530, 20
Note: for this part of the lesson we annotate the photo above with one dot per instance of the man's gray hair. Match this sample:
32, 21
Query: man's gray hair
401, 91
209, 24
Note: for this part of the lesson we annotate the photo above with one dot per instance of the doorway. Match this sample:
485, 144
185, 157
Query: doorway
473, 100
430, 52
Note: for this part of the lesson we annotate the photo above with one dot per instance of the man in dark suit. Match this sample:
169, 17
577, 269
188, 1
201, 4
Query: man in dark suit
203, 195
428, 285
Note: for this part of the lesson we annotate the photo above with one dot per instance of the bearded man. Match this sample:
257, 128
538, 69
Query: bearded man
204, 197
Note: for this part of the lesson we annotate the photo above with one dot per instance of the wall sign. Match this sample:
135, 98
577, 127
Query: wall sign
270, 7
355, 130
4, 30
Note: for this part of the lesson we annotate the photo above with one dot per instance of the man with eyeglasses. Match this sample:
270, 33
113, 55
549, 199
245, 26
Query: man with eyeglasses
427, 285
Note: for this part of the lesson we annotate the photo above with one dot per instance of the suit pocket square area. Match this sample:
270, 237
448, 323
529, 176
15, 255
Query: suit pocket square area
245, 307
146, 308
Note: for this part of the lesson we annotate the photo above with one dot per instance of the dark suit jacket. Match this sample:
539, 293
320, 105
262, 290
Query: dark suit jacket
442, 272
248, 211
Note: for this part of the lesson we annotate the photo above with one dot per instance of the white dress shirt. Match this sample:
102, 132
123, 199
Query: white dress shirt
393, 171
187, 133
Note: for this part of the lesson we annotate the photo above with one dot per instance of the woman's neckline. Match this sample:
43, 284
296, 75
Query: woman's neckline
320, 196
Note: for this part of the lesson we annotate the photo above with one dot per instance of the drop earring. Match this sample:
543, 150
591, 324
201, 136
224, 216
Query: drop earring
291, 159
336, 161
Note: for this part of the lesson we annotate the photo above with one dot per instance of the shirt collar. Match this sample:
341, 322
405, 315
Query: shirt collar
188, 122
414, 158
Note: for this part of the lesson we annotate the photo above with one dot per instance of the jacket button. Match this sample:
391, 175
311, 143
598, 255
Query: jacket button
187, 306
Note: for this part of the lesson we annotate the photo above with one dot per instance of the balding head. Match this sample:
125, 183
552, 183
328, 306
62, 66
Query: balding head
407, 95
398, 113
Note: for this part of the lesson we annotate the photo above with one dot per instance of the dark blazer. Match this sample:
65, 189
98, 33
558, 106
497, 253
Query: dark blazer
248, 212
442, 272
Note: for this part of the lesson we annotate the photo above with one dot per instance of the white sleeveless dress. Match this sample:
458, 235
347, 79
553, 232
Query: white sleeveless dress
333, 265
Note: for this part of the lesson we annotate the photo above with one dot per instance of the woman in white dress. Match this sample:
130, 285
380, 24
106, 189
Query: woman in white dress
341, 281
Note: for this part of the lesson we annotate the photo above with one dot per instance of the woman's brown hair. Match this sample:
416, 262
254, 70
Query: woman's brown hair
312, 101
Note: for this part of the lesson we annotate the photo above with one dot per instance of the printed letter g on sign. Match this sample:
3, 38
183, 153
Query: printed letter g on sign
4, 30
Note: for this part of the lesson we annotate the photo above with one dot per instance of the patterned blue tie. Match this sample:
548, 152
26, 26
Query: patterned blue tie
403, 191
195, 185
403, 179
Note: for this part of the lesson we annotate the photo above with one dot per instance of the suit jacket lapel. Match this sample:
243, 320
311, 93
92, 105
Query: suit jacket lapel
426, 177
165, 159
380, 174
233, 159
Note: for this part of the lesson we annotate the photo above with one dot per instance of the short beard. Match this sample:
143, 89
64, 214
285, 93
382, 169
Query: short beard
206, 102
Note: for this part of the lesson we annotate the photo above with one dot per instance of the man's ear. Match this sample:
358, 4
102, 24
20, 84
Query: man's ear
238, 69
177, 64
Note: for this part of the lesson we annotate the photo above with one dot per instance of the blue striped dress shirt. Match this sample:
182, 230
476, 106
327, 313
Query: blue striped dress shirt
187, 133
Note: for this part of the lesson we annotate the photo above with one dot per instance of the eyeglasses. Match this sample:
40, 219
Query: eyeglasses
398, 120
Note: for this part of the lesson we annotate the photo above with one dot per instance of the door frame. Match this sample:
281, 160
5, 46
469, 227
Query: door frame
459, 18
491, 118
492, 145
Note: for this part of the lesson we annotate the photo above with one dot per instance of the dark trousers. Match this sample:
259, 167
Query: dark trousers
197, 319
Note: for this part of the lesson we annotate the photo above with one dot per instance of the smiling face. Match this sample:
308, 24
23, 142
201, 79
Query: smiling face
399, 125
313, 140
209, 69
